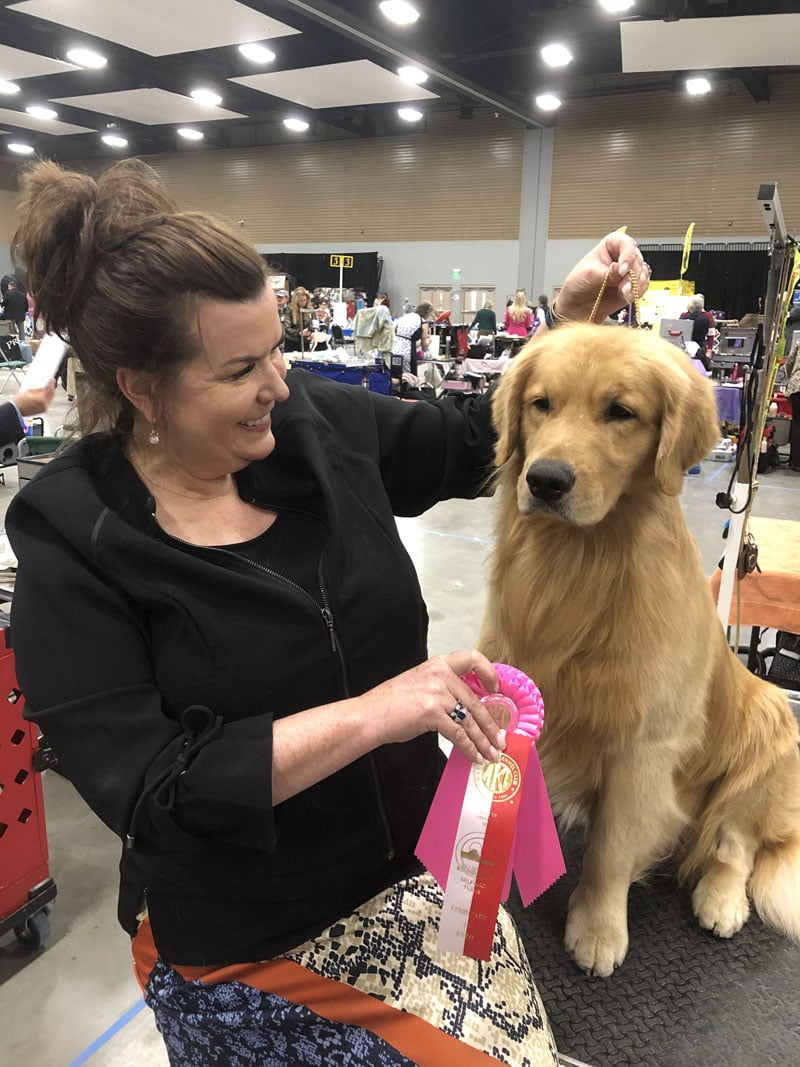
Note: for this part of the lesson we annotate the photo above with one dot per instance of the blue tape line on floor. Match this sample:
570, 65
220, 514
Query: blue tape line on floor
107, 1034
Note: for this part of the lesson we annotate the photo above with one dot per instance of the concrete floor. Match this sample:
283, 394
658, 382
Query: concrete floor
75, 1000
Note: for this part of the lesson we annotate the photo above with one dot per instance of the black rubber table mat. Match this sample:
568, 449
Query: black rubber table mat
682, 996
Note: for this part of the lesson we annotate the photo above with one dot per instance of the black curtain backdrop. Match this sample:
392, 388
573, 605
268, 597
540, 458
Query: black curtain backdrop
313, 270
731, 281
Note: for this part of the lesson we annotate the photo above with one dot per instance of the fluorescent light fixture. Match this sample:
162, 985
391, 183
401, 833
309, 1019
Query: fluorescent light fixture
190, 134
20, 148
556, 55
298, 125
698, 86
40, 112
257, 53
86, 57
113, 140
412, 75
409, 114
8, 88
615, 6
206, 97
399, 11
548, 102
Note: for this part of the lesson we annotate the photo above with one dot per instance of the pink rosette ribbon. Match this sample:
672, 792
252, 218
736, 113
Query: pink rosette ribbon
486, 822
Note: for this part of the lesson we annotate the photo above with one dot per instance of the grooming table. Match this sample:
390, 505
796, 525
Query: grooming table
769, 598
682, 996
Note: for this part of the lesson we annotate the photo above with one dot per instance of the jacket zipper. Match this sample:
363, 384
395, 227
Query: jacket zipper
327, 618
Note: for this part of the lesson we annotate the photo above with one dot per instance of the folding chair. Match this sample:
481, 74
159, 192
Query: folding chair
9, 347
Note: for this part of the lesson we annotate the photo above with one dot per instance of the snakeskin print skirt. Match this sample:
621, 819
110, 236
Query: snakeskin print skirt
371, 989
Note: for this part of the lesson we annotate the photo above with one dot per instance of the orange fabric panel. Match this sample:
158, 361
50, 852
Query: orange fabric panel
413, 1037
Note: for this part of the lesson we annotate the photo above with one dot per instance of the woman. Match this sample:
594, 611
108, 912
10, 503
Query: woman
243, 693
518, 319
485, 319
700, 326
297, 321
411, 334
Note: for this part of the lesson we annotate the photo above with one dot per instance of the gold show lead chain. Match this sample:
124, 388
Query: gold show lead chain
634, 287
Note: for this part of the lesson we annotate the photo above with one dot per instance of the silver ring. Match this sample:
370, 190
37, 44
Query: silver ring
459, 712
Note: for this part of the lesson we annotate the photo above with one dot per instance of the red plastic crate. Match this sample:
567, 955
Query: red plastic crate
23, 833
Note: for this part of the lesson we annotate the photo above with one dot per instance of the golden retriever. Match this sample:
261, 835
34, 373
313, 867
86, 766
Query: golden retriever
656, 735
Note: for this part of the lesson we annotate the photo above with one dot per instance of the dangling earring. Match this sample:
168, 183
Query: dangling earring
154, 438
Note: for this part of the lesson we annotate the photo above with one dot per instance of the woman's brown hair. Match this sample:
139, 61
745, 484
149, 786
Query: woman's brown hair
115, 266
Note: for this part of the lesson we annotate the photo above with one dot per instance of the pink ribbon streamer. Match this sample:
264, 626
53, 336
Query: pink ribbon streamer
536, 857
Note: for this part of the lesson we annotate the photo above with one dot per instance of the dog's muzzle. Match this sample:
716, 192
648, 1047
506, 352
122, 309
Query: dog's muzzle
549, 480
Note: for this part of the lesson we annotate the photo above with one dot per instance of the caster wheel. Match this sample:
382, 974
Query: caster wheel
34, 931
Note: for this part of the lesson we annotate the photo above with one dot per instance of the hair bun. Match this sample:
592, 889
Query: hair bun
67, 220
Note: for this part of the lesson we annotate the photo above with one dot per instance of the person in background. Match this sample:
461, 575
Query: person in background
412, 334
15, 308
407, 306
793, 392
518, 319
700, 326
25, 404
485, 319
243, 693
297, 321
543, 312
282, 300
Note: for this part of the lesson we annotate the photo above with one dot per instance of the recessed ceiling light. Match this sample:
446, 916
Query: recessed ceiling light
556, 55
39, 112
298, 125
20, 148
113, 140
190, 134
548, 102
399, 11
409, 114
206, 97
8, 88
412, 75
86, 57
257, 53
698, 86
615, 6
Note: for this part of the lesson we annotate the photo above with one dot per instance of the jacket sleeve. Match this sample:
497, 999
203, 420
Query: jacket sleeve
11, 428
435, 451
84, 666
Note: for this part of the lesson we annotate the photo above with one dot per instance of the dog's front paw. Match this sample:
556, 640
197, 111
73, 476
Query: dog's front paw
720, 905
597, 945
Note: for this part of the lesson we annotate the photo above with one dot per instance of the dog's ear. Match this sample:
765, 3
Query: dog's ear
689, 423
507, 410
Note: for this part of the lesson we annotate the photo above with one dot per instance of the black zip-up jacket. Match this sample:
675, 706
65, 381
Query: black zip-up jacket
156, 668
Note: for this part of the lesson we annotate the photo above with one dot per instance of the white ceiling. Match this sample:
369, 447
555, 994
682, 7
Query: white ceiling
14, 63
711, 44
158, 28
152, 107
28, 122
337, 85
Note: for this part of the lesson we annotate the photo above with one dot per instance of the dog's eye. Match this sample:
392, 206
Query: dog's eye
617, 412
541, 403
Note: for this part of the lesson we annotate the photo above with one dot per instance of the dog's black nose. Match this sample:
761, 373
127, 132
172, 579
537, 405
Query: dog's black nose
549, 479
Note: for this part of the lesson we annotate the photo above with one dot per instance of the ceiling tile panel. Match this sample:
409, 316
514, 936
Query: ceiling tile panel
28, 122
14, 64
337, 85
152, 107
160, 28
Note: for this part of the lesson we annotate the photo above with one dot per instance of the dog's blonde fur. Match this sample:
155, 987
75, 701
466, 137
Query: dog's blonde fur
656, 736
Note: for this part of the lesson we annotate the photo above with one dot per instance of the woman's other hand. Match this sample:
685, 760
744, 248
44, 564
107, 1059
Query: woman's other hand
424, 698
615, 255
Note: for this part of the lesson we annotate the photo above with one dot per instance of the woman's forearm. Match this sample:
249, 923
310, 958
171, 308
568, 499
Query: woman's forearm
311, 745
